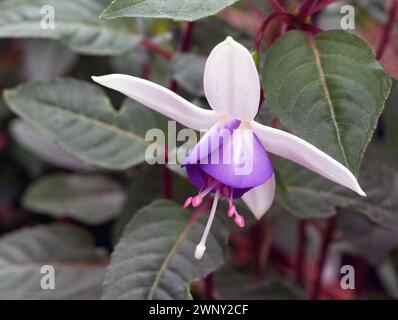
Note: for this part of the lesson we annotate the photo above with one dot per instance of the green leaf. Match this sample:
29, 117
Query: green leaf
76, 25
188, 71
390, 120
79, 267
311, 196
374, 242
330, 91
44, 148
90, 199
174, 9
79, 117
155, 256
235, 284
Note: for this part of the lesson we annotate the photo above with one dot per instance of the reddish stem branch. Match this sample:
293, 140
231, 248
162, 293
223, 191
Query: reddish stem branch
185, 44
256, 238
186, 39
388, 30
306, 9
311, 29
276, 5
286, 17
167, 55
208, 293
302, 245
324, 250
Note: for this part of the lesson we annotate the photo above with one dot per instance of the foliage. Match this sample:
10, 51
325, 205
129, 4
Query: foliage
76, 193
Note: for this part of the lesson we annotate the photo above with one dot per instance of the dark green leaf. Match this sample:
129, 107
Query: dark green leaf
91, 199
155, 256
79, 117
329, 91
235, 284
44, 148
78, 267
391, 122
311, 196
174, 9
372, 241
76, 25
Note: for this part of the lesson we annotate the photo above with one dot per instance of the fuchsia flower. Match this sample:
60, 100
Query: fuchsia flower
232, 88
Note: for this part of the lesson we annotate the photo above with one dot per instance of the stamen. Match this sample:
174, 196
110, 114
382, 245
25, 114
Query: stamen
198, 199
231, 211
201, 247
205, 192
239, 220
187, 202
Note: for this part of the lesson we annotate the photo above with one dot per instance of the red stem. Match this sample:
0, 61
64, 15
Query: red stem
306, 9
168, 182
276, 5
313, 30
302, 245
185, 44
167, 55
256, 238
286, 17
186, 38
387, 30
324, 250
208, 293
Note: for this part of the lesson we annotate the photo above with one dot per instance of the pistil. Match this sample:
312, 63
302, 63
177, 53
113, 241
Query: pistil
201, 247
220, 190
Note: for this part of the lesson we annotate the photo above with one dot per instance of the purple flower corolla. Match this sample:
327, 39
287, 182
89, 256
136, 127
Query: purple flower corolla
232, 88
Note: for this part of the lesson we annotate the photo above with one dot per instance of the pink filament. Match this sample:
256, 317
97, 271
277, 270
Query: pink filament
226, 191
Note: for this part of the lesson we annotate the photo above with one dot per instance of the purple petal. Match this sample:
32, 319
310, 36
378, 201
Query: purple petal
212, 140
253, 169
239, 162
198, 178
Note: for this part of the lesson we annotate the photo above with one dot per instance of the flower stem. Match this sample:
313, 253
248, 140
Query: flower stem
302, 245
185, 44
186, 38
261, 236
255, 238
167, 55
276, 5
324, 250
208, 293
388, 30
286, 17
306, 9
